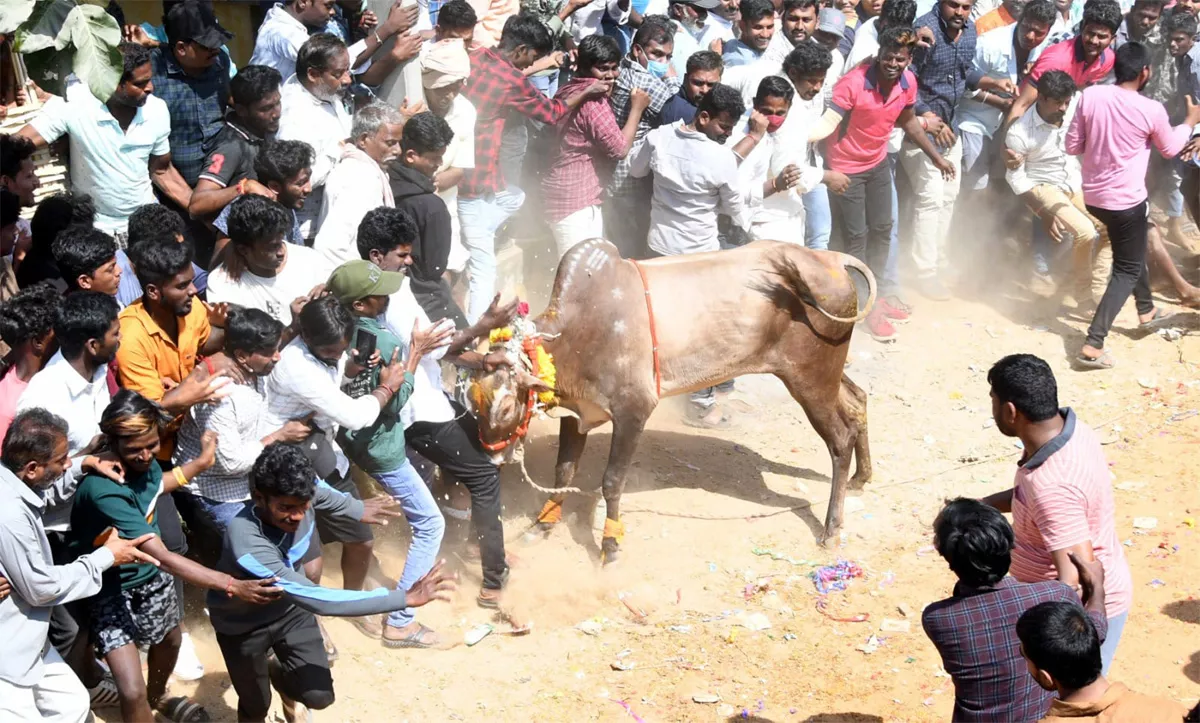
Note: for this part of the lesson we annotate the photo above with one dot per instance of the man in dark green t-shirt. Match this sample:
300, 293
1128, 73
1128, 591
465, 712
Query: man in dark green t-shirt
378, 449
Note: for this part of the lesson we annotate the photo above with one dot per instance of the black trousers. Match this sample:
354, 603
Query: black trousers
865, 214
1127, 233
454, 446
301, 673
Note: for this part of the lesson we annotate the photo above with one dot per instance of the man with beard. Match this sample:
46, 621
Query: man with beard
690, 18
703, 71
119, 148
229, 161
284, 169
314, 111
359, 182
1113, 129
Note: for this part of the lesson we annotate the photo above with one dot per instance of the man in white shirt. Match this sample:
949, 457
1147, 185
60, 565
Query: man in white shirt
693, 30
288, 25
260, 269
119, 147
314, 111
358, 183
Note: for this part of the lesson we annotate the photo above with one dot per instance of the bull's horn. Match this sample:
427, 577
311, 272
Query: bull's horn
560, 411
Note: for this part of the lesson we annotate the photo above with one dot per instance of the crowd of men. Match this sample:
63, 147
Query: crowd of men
242, 308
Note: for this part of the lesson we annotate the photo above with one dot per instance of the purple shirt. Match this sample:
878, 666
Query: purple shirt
975, 631
1112, 130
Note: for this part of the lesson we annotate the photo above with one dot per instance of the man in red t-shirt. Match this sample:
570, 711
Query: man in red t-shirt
867, 103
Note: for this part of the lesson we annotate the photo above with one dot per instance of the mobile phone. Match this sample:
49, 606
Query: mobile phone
364, 345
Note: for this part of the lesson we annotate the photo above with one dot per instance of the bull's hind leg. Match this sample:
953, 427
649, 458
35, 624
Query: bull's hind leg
832, 416
571, 442
856, 400
627, 430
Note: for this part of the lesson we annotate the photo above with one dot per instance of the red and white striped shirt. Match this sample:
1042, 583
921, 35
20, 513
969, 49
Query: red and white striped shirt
1062, 497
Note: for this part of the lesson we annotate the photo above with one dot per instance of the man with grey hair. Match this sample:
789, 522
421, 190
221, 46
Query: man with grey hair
359, 182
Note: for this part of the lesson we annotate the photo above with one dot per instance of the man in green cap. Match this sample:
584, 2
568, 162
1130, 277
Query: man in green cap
378, 448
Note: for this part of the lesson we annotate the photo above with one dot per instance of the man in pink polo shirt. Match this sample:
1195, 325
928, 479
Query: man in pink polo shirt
867, 103
1113, 129
1062, 499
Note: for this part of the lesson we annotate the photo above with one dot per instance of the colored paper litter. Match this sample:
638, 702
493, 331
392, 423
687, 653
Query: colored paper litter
835, 577
629, 710
779, 556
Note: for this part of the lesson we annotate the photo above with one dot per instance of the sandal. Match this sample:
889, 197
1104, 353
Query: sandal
699, 420
1157, 320
1087, 363
105, 694
366, 625
491, 603
182, 710
424, 637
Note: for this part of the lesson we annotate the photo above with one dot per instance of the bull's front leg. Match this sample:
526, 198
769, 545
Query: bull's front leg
571, 442
627, 430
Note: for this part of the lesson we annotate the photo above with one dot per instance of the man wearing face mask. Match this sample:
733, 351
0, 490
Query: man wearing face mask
647, 67
359, 182
314, 111
704, 70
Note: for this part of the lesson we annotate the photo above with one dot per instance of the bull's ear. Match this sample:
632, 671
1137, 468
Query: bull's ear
560, 412
529, 381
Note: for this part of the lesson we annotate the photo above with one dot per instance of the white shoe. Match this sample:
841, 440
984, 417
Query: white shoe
188, 666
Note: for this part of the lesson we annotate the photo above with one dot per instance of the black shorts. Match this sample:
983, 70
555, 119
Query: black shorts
142, 615
337, 528
301, 671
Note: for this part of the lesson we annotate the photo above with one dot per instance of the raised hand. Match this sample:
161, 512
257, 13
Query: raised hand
436, 585
378, 509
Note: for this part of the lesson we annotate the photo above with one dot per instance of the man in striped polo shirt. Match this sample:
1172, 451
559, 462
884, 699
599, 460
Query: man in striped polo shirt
1062, 499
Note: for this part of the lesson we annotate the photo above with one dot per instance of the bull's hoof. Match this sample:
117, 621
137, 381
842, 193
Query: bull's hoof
610, 551
858, 482
832, 539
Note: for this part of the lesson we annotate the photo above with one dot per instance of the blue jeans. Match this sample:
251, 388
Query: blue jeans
218, 514
481, 217
1108, 648
421, 510
818, 218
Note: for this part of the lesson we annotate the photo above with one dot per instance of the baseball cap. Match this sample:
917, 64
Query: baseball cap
702, 4
194, 20
359, 279
831, 21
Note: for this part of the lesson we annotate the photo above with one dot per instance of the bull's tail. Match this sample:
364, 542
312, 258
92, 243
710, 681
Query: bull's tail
797, 285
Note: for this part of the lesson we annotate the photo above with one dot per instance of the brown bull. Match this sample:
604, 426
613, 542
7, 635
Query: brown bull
625, 335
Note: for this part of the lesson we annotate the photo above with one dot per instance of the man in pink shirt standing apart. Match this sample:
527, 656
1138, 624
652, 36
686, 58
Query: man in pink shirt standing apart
1113, 129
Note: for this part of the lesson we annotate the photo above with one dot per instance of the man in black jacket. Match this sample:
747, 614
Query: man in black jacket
422, 146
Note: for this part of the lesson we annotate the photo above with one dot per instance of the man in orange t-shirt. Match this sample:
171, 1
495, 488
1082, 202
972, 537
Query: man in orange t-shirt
1002, 16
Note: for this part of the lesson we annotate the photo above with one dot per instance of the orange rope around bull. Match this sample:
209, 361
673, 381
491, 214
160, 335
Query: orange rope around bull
653, 331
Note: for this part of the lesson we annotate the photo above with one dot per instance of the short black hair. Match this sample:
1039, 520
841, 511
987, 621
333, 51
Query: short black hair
254, 218
807, 59
1028, 383
83, 316
704, 60
325, 320
897, 38
318, 53
1132, 58
29, 314
80, 251
281, 161
655, 29
1105, 13
896, 14
790, 5
754, 10
1158, 3
158, 263
773, 86
133, 56
596, 50
251, 330
975, 540
283, 470
10, 207
1057, 85
383, 229
457, 15
722, 99
14, 150
253, 83
1059, 638
1180, 21
57, 213
523, 29
154, 221
426, 133
31, 437
1039, 11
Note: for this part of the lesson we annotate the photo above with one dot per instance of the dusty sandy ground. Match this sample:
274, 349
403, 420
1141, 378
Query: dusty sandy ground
699, 581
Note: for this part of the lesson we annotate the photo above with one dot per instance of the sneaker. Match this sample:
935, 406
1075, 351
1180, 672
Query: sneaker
188, 666
931, 287
895, 310
879, 327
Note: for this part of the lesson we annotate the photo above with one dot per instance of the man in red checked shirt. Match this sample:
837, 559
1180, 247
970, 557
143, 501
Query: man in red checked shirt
229, 159
497, 86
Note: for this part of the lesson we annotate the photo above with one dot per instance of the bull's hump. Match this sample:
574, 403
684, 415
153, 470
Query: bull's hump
585, 261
